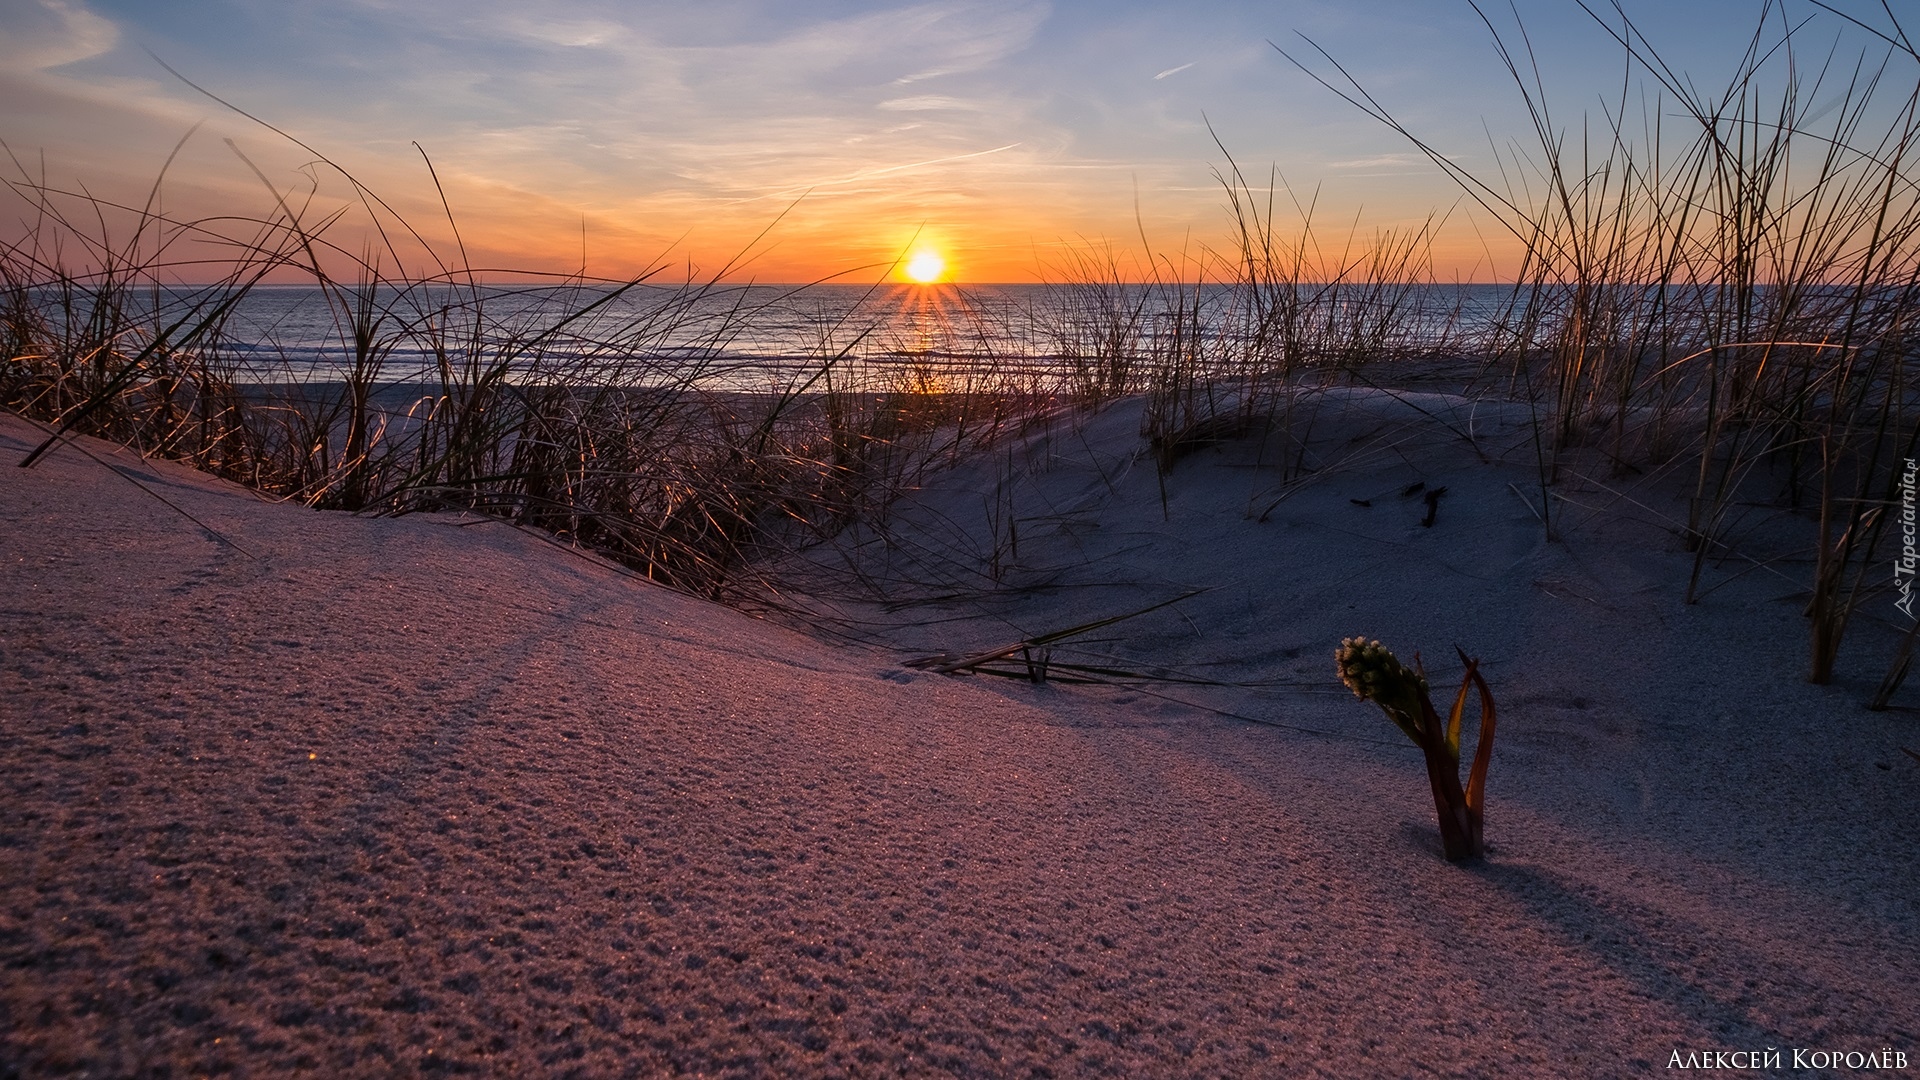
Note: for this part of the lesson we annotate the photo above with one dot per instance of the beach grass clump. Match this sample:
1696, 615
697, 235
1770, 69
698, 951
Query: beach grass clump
95, 343
1374, 674
1229, 342
614, 415
1720, 285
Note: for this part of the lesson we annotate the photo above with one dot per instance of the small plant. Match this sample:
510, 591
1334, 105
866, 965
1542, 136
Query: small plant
1374, 674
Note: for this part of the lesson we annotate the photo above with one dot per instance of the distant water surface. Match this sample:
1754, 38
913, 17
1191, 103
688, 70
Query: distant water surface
756, 335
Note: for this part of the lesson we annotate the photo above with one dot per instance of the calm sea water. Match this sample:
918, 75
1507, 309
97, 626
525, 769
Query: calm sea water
754, 336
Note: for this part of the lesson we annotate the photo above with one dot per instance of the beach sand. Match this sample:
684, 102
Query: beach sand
302, 793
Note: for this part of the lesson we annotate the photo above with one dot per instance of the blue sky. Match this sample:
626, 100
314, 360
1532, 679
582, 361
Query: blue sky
1006, 133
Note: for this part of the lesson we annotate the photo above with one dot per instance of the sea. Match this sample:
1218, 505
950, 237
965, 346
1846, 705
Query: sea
756, 336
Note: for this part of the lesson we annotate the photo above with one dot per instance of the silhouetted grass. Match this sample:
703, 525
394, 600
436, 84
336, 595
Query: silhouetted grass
600, 412
1722, 282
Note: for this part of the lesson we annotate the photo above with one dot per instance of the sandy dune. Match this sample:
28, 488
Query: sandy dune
344, 796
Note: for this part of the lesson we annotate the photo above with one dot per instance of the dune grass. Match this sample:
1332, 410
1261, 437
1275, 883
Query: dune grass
611, 414
1724, 284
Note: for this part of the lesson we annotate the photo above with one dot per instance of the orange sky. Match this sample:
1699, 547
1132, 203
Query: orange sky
797, 142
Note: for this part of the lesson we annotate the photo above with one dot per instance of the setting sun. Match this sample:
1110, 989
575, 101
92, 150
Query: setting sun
926, 267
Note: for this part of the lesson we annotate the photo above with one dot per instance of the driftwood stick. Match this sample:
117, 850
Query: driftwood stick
976, 660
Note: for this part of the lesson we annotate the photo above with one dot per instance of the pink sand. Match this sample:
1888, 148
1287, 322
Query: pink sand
346, 796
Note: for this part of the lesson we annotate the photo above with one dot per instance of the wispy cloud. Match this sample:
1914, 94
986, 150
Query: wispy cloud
44, 34
1378, 161
869, 174
926, 103
620, 99
1174, 70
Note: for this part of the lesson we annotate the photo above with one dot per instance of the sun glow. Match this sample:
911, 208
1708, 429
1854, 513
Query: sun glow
926, 267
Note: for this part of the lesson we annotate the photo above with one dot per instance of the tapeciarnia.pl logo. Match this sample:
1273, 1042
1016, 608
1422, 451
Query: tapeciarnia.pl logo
1903, 568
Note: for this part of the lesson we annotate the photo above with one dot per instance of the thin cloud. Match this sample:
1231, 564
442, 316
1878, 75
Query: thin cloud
925, 103
868, 174
1174, 71
45, 34
1379, 161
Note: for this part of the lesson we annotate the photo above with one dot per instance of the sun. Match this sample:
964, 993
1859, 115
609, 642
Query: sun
926, 267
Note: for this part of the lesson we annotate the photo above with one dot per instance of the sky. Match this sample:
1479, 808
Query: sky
783, 141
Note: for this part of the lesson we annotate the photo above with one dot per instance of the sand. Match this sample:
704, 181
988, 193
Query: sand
300, 793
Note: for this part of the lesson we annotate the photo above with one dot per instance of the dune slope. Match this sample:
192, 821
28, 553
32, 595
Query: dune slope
291, 793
